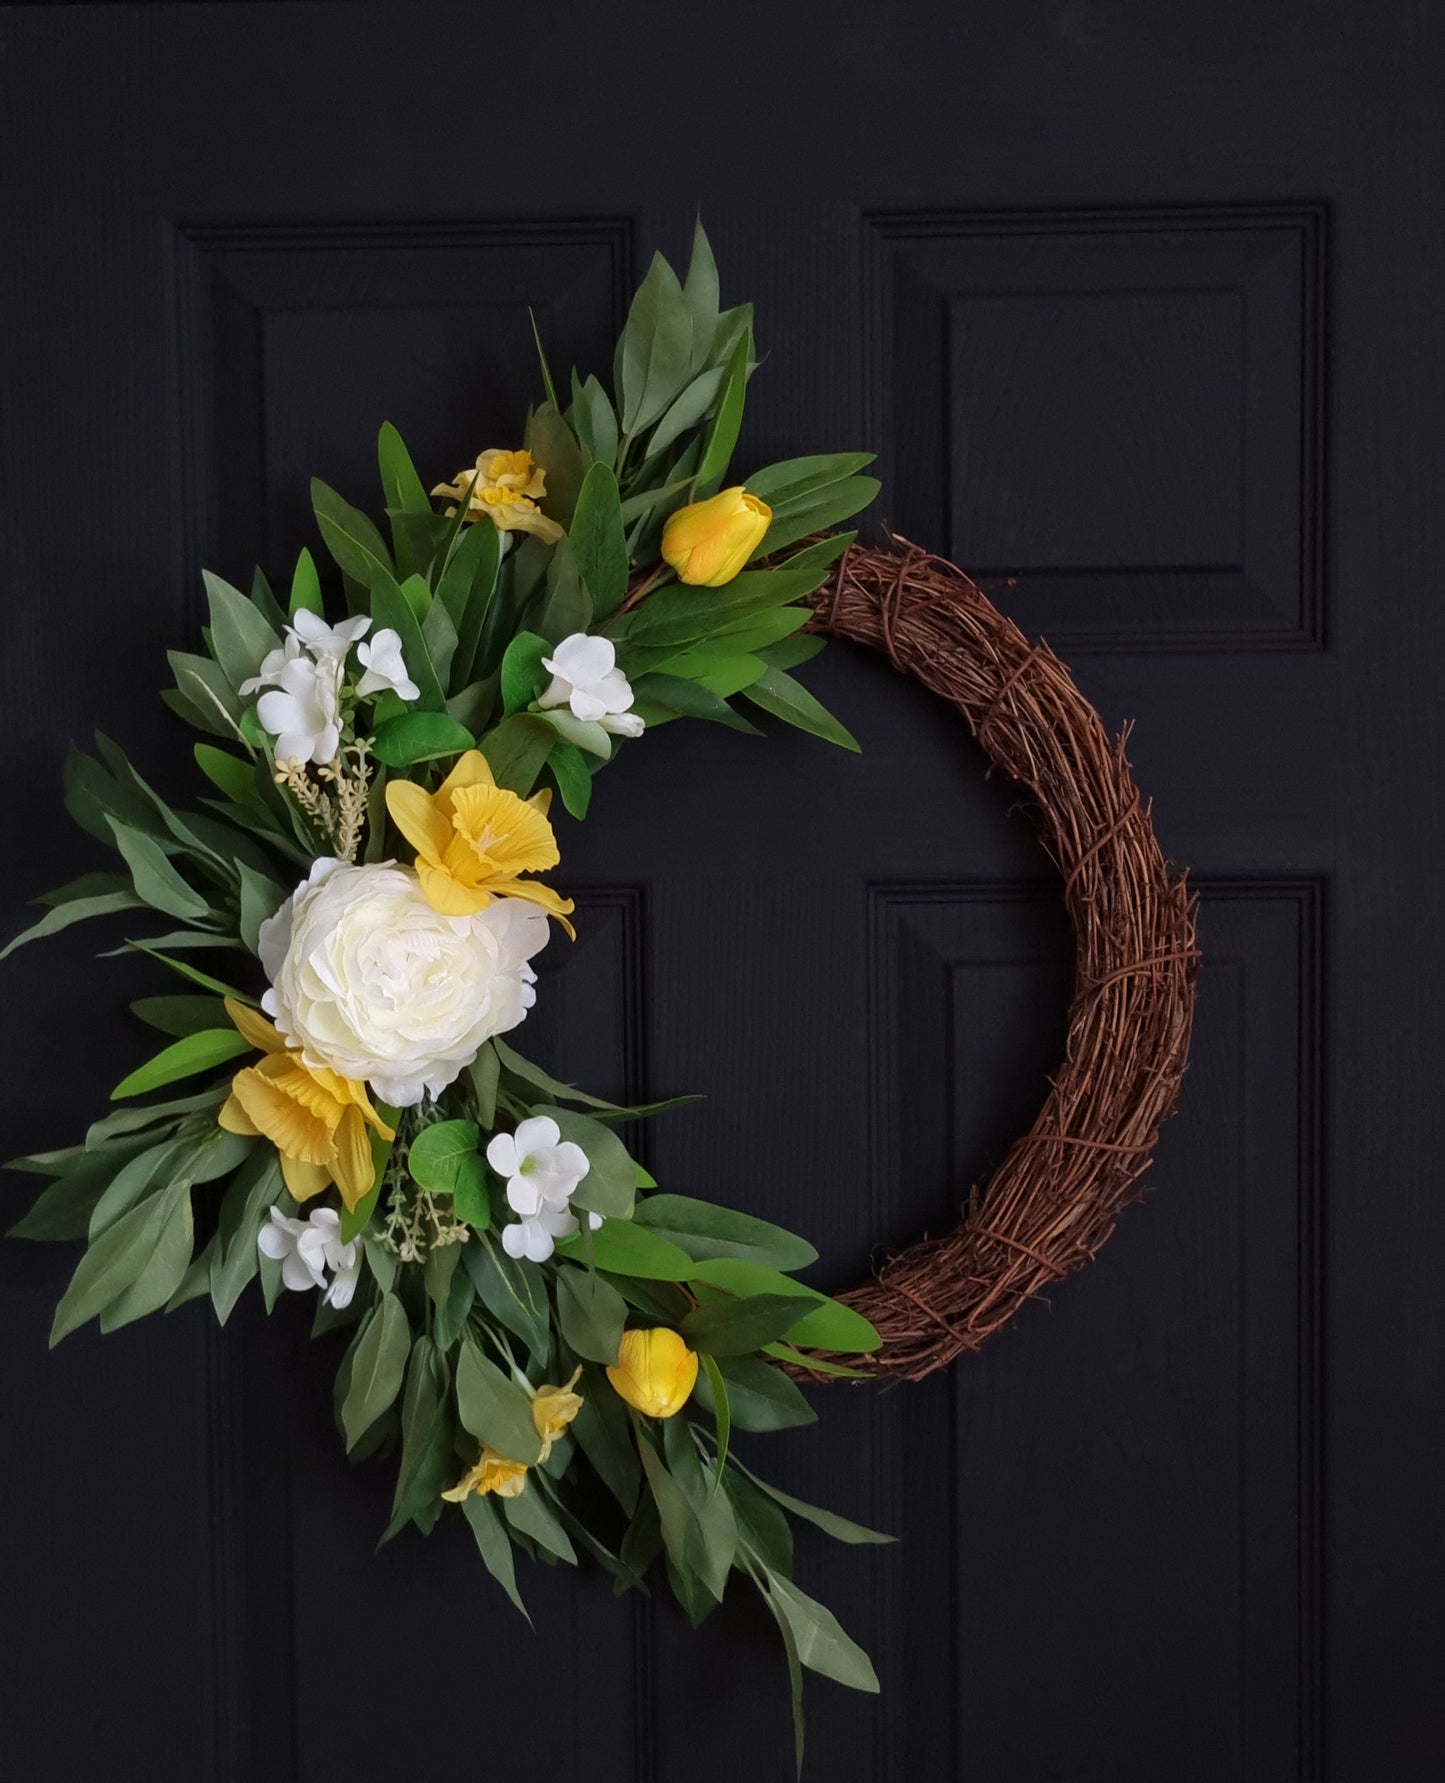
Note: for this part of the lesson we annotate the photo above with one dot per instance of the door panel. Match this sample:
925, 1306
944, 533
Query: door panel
1137, 304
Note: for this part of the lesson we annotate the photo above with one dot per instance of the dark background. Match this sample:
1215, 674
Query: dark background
1137, 301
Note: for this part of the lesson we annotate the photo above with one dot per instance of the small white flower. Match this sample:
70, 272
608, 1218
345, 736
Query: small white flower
542, 1171
330, 641
273, 665
307, 1248
303, 713
385, 668
586, 678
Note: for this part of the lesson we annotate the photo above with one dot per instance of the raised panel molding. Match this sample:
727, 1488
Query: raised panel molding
1123, 409
293, 342
1209, 1296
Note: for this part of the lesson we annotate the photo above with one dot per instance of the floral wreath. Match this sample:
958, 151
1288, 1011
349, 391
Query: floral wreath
539, 1333
549, 1343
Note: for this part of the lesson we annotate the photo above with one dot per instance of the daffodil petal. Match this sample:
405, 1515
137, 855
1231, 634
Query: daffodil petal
448, 896
251, 1025
353, 1171
304, 1180
415, 814
234, 1119
471, 769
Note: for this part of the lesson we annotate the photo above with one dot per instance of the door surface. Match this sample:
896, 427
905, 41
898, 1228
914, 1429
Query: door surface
1138, 304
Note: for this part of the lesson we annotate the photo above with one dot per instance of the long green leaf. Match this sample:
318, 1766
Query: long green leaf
378, 1365
351, 538
114, 1261
493, 1409
778, 693
63, 915
183, 1058
598, 540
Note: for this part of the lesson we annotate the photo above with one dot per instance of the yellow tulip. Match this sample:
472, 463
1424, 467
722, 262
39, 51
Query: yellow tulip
473, 839
708, 542
316, 1119
655, 1371
505, 487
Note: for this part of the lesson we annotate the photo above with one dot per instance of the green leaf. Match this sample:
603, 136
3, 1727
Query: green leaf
484, 1072
737, 1327
712, 1537
566, 606
240, 637
243, 1212
599, 542
493, 1409
762, 630
591, 1314
530, 1513
762, 1527
352, 540
655, 349
391, 608
700, 294
722, 436
165, 1267
523, 676
261, 898
703, 1231
672, 1506
584, 734
437, 631
235, 778
595, 420
816, 513
426, 1439
355, 1220
761, 1397
419, 737
183, 1058
604, 1435
720, 1405
377, 1368
783, 1352
513, 1293
211, 703
494, 1545
194, 974
840, 1528
156, 880
554, 446
403, 489
795, 1680
791, 652
626, 1247
466, 590
116, 1260
822, 1645
306, 587
609, 1186
828, 1326
693, 403
660, 695
785, 698
797, 479
517, 749
569, 770
63, 1210
444, 1159
106, 904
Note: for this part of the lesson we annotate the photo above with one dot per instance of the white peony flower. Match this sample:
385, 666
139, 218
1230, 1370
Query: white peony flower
303, 713
542, 1171
586, 678
371, 982
307, 1248
385, 667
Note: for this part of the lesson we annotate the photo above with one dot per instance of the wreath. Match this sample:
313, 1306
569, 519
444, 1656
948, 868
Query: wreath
548, 1342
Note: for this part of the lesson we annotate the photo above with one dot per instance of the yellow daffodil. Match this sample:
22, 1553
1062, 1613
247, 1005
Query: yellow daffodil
553, 1409
708, 542
473, 839
506, 490
316, 1119
491, 1473
655, 1371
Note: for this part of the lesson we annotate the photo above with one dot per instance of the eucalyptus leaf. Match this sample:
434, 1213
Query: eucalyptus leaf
591, 1314
598, 540
494, 1409
822, 1644
377, 1368
494, 1545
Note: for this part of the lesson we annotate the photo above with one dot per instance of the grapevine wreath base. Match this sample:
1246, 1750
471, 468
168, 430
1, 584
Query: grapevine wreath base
1052, 1201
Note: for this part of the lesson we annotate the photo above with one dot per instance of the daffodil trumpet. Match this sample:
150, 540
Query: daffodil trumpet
474, 840
316, 1119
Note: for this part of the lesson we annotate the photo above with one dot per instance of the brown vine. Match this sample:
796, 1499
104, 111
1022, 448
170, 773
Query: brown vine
1052, 1202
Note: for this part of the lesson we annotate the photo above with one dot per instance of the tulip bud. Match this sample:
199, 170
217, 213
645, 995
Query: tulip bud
708, 542
655, 1371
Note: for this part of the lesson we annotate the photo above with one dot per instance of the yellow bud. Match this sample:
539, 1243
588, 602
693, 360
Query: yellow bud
710, 541
655, 1371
